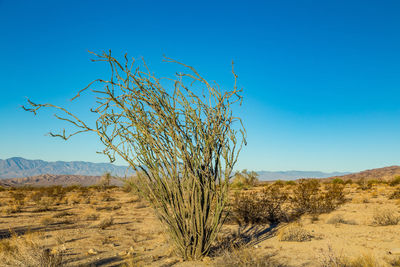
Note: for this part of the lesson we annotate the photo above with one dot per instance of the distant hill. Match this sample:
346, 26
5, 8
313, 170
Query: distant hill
385, 173
20, 167
293, 175
54, 179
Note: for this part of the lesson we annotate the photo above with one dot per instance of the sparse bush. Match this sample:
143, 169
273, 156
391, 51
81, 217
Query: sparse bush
105, 181
308, 197
265, 206
337, 181
12, 208
294, 233
348, 181
272, 199
18, 198
395, 181
332, 198
384, 217
290, 183
363, 184
244, 179
279, 183
246, 208
395, 194
305, 195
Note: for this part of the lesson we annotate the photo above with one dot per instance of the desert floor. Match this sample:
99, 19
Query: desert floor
113, 228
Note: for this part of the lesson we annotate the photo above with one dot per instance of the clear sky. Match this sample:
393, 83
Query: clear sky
321, 79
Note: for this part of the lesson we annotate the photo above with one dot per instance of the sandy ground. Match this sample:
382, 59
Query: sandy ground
136, 236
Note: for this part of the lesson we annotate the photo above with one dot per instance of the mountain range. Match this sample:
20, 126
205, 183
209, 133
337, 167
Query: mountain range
292, 175
19, 167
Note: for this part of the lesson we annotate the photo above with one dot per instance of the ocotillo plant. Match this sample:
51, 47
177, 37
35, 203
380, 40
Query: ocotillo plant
183, 145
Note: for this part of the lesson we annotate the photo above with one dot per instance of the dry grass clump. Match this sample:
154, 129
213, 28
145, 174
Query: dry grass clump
12, 208
91, 216
246, 257
105, 223
47, 220
332, 260
108, 207
62, 214
26, 251
384, 217
339, 219
294, 233
43, 204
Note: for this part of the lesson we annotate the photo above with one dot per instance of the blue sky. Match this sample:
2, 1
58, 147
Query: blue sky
321, 78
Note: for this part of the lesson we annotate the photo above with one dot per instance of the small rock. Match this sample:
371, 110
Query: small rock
122, 253
92, 251
257, 246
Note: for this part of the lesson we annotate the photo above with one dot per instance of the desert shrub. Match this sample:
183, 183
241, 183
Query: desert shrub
26, 251
12, 208
348, 181
290, 183
247, 209
305, 195
331, 198
294, 233
337, 181
43, 204
373, 182
17, 197
384, 217
395, 181
273, 198
266, 206
308, 197
279, 183
395, 194
363, 184
246, 257
105, 181
129, 185
244, 179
